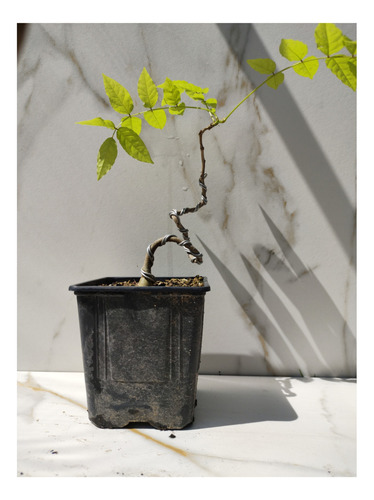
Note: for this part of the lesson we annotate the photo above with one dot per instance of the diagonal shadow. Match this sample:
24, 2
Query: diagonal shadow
328, 341
332, 338
287, 323
267, 329
313, 164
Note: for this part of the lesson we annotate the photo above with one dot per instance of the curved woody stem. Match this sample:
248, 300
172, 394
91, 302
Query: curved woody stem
196, 257
147, 278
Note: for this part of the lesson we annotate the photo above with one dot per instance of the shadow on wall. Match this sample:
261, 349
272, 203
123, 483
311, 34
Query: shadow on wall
325, 346
245, 43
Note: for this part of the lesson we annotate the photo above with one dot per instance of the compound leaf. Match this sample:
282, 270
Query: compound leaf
329, 38
308, 67
344, 67
263, 66
133, 145
106, 157
147, 90
196, 96
293, 50
212, 104
172, 94
132, 122
119, 98
156, 118
350, 45
275, 80
98, 122
190, 87
177, 110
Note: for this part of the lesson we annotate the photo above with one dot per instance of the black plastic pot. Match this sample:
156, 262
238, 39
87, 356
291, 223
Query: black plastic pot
141, 352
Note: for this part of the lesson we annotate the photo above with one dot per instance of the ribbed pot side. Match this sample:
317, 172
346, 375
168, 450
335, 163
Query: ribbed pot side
141, 351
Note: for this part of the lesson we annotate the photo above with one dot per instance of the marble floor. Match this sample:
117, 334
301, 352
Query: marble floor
244, 427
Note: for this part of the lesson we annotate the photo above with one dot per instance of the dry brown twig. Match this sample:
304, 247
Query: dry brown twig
147, 278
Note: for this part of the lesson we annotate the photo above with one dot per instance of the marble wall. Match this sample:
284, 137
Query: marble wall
278, 233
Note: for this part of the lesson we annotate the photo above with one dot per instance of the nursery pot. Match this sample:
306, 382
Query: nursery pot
141, 351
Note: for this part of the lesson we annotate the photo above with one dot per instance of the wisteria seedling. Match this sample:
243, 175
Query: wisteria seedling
177, 96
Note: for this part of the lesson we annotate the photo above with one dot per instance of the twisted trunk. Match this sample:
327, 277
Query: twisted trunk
147, 278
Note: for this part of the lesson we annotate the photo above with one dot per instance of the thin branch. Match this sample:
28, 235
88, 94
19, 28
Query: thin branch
195, 256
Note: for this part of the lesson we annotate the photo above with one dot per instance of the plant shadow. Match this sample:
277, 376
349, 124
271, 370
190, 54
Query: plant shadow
238, 400
298, 137
325, 342
330, 336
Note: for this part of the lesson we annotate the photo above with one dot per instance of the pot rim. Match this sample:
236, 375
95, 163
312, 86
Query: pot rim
98, 286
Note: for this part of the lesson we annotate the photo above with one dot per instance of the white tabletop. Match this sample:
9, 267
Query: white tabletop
244, 427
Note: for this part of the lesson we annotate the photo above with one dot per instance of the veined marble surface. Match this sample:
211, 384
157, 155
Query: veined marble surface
244, 427
277, 234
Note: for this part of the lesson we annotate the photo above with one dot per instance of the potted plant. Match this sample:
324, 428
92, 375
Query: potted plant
141, 337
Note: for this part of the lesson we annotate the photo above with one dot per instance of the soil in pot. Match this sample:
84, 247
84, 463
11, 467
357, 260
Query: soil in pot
169, 282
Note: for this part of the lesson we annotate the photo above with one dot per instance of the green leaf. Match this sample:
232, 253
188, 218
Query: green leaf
177, 110
132, 122
329, 38
293, 50
98, 122
196, 96
344, 67
133, 145
263, 66
156, 118
275, 80
212, 104
147, 90
185, 86
350, 45
353, 66
308, 67
106, 157
172, 94
119, 98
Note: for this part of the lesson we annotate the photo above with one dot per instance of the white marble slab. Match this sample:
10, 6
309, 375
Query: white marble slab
244, 427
